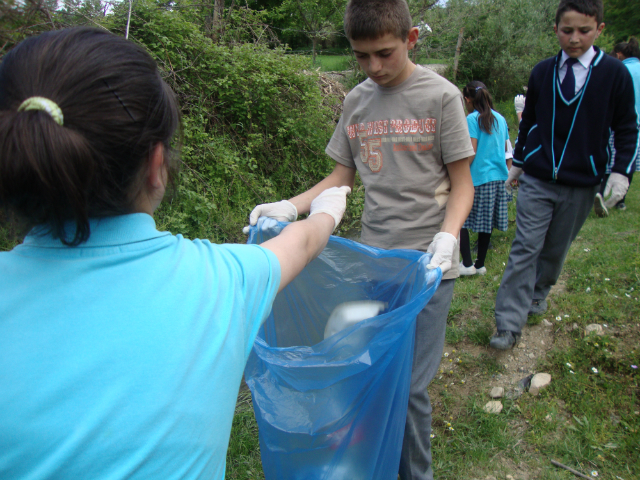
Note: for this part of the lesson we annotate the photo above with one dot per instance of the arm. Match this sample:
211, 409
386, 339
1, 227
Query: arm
460, 198
458, 207
288, 210
339, 177
474, 144
625, 125
299, 243
527, 120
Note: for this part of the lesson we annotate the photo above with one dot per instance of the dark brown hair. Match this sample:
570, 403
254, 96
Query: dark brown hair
628, 49
371, 19
482, 102
116, 109
592, 8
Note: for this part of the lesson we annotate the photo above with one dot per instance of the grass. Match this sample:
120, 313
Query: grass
333, 63
339, 63
586, 420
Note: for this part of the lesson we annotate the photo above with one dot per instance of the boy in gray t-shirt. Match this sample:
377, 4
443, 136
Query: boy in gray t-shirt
404, 131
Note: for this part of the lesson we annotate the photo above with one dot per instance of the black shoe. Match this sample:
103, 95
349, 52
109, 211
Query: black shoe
621, 206
504, 340
538, 307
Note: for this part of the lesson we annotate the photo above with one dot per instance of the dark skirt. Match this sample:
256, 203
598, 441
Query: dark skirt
490, 208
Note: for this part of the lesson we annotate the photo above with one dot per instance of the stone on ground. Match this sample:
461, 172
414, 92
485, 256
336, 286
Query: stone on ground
493, 407
538, 382
496, 392
594, 328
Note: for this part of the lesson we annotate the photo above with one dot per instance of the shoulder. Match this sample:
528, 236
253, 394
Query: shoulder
608, 64
498, 116
362, 89
544, 66
473, 115
437, 85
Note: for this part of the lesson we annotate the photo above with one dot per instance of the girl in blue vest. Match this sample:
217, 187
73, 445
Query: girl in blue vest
123, 347
489, 136
629, 54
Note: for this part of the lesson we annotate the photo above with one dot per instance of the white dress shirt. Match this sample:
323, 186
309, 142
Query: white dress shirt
580, 68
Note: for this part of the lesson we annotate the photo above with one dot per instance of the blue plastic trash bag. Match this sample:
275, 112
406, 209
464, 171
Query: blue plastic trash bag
335, 408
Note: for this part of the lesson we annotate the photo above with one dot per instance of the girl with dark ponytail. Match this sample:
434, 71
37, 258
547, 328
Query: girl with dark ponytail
629, 54
489, 136
122, 346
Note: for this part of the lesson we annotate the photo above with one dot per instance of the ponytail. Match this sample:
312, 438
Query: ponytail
116, 110
631, 49
482, 102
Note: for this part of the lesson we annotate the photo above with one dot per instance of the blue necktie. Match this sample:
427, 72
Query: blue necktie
568, 86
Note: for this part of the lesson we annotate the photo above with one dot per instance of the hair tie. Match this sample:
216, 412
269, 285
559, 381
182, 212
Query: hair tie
478, 88
44, 104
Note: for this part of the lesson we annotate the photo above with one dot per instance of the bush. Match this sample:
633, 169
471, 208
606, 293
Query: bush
254, 125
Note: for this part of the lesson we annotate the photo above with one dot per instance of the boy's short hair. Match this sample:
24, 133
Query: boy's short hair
592, 8
371, 19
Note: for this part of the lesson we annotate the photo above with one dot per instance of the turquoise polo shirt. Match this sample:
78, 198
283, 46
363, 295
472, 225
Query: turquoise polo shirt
489, 164
122, 358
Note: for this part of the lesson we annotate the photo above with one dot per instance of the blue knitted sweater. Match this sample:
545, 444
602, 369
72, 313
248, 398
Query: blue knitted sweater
568, 141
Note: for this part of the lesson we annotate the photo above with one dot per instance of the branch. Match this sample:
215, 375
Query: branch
575, 472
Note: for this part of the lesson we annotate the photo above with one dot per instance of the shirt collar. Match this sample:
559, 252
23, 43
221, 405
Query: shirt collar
584, 59
105, 232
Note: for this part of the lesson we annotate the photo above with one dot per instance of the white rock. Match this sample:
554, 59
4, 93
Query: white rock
547, 323
538, 382
496, 392
522, 345
493, 407
594, 328
510, 477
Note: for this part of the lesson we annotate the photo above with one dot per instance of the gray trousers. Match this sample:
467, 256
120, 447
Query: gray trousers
431, 323
548, 219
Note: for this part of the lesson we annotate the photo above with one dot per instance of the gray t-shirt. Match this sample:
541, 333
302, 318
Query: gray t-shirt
400, 139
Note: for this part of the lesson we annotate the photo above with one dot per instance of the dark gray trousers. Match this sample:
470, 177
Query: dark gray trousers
431, 323
548, 219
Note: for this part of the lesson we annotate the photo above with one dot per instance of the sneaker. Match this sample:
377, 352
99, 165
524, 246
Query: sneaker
538, 307
481, 270
467, 270
599, 206
504, 340
621, 206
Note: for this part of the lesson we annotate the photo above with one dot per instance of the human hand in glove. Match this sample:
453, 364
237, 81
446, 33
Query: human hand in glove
617, 186
518, 102
332, 201
282, 211
442, 248
514, 174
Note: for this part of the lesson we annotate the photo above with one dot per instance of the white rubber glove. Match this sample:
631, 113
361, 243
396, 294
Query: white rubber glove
332, 201
282, 211
518, 102
514, 174
617, 186
442, 248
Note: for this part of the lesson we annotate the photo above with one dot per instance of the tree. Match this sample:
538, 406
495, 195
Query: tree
622, 18
317, 19
502, 39
22, 18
